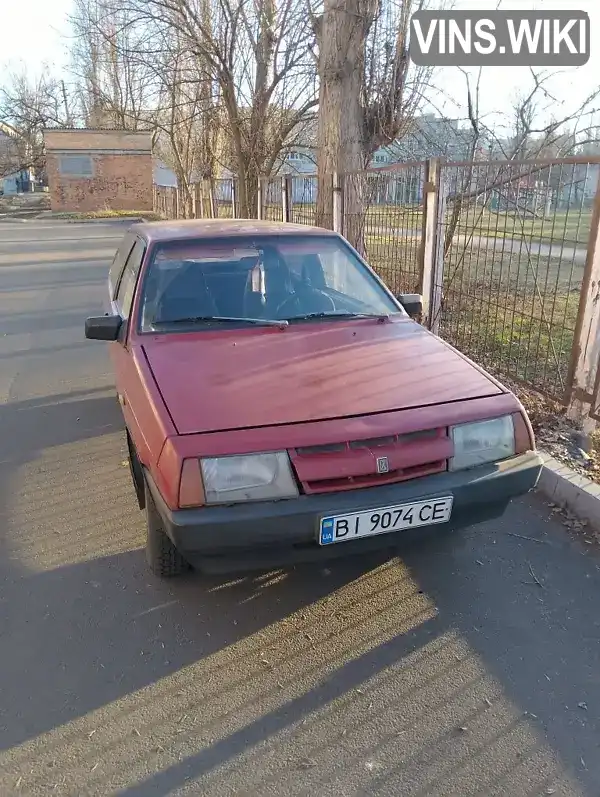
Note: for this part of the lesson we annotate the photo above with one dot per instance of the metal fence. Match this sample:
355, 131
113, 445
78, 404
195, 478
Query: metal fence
513, 240
498, 249
383, 210
211, 199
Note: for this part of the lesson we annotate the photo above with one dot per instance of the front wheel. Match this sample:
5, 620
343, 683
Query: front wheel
162, 556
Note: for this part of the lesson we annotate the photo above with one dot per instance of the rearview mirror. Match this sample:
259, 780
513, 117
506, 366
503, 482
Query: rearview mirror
103, 327
412, 303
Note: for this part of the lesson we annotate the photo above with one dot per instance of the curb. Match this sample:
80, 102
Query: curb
570, 490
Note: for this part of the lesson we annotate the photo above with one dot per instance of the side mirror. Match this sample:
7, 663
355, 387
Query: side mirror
412, 303
103, 327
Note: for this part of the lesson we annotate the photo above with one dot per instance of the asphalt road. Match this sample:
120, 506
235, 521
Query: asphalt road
447, 670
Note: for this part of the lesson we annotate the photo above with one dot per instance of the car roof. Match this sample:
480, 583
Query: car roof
162, 231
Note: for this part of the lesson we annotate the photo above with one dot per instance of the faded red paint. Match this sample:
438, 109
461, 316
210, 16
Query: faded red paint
265, 376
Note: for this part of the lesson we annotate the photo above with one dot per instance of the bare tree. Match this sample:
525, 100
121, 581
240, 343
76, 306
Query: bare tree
116, 87
534, 130
187, 120
369, 93
27, 106
252, 66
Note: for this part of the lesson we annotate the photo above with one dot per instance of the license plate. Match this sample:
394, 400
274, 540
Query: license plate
342, 528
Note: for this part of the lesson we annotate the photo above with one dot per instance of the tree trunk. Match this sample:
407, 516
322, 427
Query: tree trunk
341, 117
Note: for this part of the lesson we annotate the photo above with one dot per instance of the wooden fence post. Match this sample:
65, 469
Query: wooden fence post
437, 267
259, 199
583, 380
429, 234
233, 199
286, 197
338, 203
212, 199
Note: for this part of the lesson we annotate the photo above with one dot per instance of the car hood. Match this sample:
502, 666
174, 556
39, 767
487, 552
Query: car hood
266, 376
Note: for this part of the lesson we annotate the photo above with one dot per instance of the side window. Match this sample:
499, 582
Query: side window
119, 261
129, 279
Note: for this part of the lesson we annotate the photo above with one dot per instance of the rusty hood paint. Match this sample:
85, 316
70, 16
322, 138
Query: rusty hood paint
264, 376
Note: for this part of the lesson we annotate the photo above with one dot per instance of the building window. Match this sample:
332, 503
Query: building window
76, 166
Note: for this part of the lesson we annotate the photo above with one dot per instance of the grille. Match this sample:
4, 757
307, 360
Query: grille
352, 464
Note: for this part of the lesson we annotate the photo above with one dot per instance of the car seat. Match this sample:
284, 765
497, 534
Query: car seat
186, 296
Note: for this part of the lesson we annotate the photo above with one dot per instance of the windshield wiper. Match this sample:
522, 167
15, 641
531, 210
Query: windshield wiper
223, 319
308, 316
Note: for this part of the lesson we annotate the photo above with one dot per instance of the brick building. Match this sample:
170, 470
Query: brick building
99, 169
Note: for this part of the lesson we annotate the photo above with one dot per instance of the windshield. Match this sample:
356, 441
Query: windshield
246, 281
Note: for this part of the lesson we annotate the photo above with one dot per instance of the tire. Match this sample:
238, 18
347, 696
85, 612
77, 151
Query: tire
162, 556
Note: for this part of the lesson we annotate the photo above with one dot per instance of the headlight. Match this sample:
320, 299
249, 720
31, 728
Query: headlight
482, 442
252, 477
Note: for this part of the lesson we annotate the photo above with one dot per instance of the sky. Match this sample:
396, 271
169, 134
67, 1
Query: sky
500, 85
39, 27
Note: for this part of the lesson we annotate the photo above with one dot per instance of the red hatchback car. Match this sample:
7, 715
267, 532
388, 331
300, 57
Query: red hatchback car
281, 404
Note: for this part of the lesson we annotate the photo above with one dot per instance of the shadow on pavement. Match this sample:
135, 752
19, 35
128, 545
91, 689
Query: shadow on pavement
83, 625
77, 637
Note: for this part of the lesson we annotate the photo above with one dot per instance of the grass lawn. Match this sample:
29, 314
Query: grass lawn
572, 228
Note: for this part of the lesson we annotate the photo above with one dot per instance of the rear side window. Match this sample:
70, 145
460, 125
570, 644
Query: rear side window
119, 261
128, 281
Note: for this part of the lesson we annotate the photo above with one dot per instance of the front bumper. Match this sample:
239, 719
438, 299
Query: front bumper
271, 533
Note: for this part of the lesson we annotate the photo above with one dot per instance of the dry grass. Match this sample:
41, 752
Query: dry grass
146, 215
569, 227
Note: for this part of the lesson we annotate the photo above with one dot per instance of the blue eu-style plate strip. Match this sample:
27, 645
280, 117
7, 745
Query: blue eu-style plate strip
326, 530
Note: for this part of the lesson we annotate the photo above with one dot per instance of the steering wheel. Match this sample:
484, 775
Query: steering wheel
317, 301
